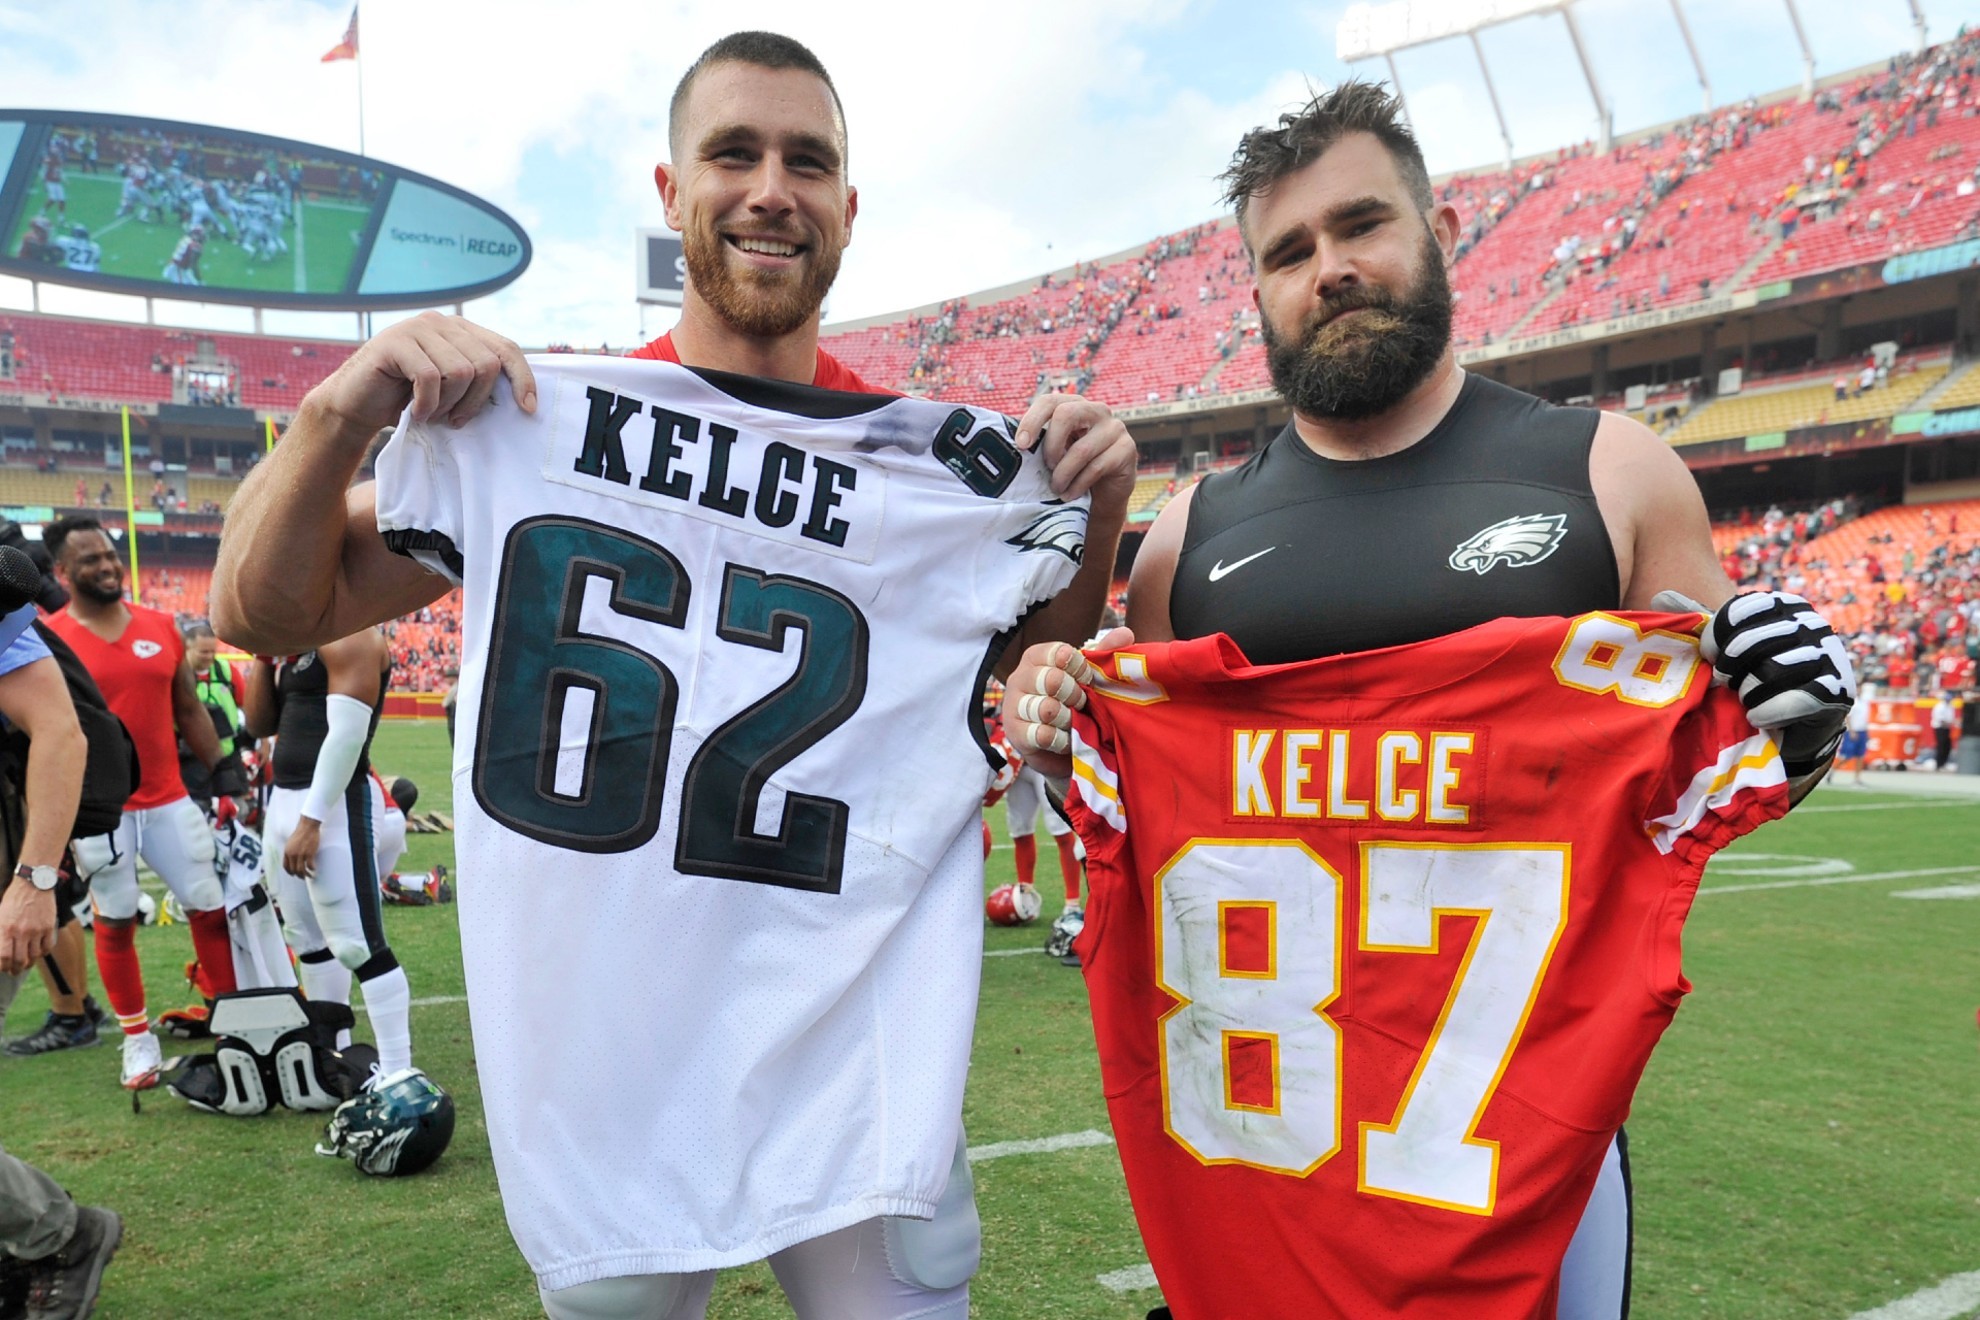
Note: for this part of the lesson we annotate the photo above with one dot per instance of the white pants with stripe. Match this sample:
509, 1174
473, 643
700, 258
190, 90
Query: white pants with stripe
175, 840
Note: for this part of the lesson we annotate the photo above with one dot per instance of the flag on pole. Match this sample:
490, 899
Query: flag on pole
347, 49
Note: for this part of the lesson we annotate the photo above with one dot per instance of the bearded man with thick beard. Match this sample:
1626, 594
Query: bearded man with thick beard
1406, 499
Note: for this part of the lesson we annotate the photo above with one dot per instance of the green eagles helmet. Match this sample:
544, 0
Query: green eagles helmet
401, 1124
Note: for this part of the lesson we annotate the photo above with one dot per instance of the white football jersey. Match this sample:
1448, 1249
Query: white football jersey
716, 786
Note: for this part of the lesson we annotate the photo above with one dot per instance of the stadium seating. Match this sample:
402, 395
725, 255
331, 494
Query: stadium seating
132, 363
1715, 220
1910, 201
1761, 410
1149, 359
26, 486
1962, 391
178, 589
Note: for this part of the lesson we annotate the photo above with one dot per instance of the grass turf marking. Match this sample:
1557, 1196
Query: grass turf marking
1839, 880
1943, 891
1921, 804
1945, 1300
1131, 1279
998, 1150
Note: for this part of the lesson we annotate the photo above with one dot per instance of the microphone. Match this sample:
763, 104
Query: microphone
20, 583
20, 580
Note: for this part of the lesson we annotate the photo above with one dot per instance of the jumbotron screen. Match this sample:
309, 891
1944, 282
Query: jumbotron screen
175, 210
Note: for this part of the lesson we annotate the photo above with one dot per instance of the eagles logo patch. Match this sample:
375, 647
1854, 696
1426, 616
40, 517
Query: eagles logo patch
1516, 542
144, 648
1061, 528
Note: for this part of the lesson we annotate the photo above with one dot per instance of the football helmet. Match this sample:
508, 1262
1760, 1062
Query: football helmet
1065, 929
1013, 905
400, 1124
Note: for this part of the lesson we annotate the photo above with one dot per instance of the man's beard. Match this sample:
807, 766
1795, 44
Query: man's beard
757, 303
102, 591
1367, 364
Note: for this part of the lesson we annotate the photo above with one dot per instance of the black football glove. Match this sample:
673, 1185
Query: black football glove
1788, 667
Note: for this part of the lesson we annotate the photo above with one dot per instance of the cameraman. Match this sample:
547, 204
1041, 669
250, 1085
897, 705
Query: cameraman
52, 1252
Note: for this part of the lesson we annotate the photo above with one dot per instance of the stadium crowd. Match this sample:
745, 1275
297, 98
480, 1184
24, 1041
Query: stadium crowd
1903, 588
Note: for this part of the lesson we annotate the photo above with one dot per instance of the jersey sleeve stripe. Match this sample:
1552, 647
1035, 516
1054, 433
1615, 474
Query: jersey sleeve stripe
1098, 787
433, 551
1751, 764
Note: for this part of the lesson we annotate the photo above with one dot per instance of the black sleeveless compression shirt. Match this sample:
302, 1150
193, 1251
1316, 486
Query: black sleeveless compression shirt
302, 721
1489, 516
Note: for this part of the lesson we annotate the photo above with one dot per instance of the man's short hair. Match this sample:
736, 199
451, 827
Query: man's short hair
56, 534
766, 50
197, 629
1268, 154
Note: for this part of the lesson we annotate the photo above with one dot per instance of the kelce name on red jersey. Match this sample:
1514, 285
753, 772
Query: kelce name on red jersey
1357, 773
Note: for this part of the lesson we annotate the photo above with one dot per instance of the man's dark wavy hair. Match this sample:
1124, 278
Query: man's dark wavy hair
766, 50
1268, 154
56, 534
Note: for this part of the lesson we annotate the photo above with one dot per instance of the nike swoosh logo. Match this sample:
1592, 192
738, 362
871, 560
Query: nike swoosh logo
1220, 570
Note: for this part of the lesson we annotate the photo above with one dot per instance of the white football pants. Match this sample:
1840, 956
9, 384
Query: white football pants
175, 840
389, 824
338, 907
1595, 1271
1025, 800
886, 1268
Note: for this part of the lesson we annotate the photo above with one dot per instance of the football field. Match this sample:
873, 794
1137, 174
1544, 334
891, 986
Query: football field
321, 247
1806, 1144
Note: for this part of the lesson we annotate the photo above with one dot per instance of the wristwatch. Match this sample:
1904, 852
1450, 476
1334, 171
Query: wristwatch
43, 878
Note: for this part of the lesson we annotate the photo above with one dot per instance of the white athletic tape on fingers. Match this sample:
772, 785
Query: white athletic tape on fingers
1031, 707
1058, 742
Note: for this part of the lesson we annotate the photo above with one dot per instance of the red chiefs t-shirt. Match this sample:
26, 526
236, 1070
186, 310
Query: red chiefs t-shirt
136, 673
831, 374
1378, 947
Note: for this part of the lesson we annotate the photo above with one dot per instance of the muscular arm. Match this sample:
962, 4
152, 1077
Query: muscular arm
36, 699
301, 561
1155, 571
1655, 515
1088, 452
1663, 535
258, 706
195, 725
353, 665
295, 569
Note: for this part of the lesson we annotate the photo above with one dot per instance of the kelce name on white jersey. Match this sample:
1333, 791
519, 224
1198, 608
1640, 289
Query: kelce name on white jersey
664, 458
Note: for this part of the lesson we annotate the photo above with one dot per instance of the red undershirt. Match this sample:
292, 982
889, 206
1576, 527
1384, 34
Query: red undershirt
831, 374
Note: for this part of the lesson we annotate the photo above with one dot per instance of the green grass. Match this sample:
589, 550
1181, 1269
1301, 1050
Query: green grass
1803, 1143
317, 262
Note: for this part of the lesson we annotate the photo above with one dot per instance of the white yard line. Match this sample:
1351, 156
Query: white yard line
1813, 881
1920, 804
1012, 953
426, 1002
1132, 1279
1942, 891
997, 1150
1944, 1300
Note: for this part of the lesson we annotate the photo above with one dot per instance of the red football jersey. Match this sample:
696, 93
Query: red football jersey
1378, 947
831, 374
136, 673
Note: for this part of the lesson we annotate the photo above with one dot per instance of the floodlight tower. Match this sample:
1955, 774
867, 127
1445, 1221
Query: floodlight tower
1917, 28
1368, 30
1807, 55
1684, 30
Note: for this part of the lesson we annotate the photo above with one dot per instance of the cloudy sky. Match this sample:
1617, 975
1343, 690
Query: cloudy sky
989, 142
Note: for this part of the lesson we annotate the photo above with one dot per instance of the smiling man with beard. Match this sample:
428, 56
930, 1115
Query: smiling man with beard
755, 1112
1408, 499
